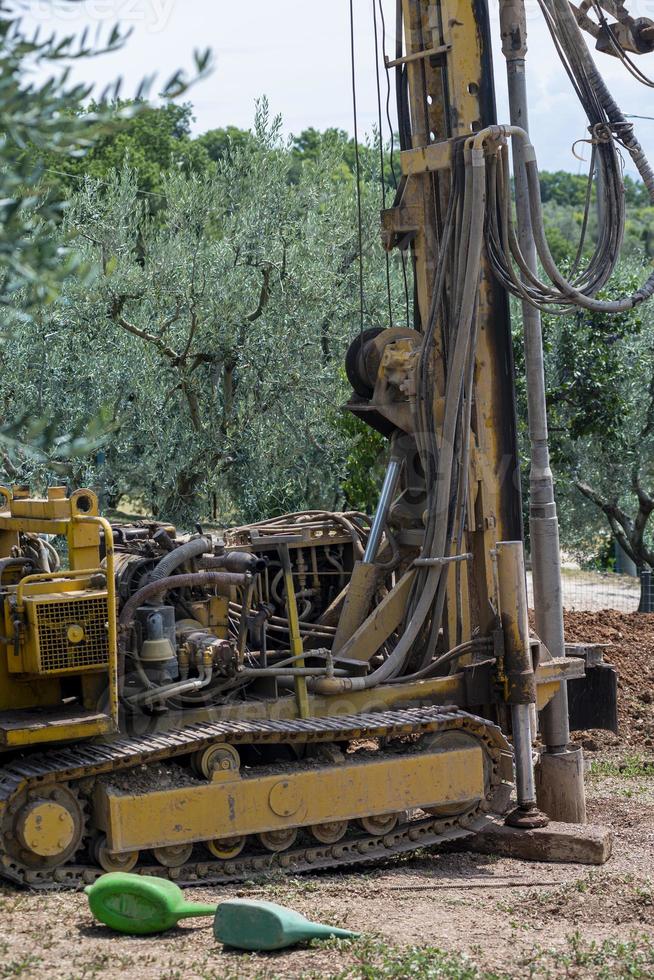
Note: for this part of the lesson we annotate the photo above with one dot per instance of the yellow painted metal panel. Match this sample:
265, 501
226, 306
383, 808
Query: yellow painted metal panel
41, 509
35, 525
248, 806
56, 732
427, 159
376, 629
549, 675
358, 601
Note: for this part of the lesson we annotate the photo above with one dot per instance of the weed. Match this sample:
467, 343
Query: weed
612, 959
16, 968
376, 960
630, 767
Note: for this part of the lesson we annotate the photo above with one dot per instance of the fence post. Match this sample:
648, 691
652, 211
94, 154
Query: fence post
646, 604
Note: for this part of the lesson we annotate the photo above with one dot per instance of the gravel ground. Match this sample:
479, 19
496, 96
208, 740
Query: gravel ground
593, 591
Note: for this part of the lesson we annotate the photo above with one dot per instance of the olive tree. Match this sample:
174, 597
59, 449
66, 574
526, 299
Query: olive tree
211, 343
600, 392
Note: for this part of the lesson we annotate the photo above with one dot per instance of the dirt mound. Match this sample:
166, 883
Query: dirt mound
631, 636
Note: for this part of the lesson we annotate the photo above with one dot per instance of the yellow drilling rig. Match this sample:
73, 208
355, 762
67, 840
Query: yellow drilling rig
324, 689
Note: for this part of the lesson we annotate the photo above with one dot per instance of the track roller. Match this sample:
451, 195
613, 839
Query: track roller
330, 833
173, 856
278, 840
214, 760
111, 861
226, 848
380, 825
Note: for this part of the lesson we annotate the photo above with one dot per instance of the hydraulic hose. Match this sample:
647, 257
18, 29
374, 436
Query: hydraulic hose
236, 561
462, 650
503, 244
608, 126
187, 580
167, 565
168, 691
470, 257
159, 589
24, 563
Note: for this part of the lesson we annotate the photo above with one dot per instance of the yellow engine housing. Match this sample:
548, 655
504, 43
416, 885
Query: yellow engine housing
67, 632
58, 650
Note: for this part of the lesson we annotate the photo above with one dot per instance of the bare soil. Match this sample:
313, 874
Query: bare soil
631, 650
452, 915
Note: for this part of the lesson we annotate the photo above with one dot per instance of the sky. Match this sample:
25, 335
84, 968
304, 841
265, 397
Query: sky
297, 53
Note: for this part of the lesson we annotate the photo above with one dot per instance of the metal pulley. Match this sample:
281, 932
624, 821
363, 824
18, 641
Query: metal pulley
364, 356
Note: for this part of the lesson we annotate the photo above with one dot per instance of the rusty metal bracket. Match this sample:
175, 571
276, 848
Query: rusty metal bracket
443, 561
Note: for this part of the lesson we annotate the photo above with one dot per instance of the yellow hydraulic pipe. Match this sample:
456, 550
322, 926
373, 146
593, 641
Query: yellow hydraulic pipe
49, 577
297, 649
112, 608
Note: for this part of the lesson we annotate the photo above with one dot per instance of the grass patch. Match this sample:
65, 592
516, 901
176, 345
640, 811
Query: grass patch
372, 959
631, 767
612, 959
16, 968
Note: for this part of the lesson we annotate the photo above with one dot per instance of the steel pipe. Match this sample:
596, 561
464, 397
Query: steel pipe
519, 680
381, 515
543, 521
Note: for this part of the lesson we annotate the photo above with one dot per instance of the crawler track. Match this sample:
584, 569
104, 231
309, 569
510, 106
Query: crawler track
77, 767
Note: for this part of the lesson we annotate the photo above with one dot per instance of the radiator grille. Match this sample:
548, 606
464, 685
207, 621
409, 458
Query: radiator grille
56, 652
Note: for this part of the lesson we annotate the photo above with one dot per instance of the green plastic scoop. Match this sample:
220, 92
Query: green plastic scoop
140, 905
244, 924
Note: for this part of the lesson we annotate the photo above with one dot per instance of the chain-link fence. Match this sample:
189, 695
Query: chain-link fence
592, 591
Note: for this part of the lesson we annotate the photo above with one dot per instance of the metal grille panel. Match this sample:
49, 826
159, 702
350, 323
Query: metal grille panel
56, 652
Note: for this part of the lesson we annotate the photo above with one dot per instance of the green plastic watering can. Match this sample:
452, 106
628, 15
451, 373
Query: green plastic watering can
140, 905
244, 924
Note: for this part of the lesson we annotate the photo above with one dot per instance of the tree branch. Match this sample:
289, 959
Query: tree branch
149, 337
648, 426
116, 314
644, 499
622, 527
264, 296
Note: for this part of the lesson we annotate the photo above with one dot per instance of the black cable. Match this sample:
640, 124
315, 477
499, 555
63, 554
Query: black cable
388, 95
392, 152
600, 266
404, 130
381, 157
587, 206
358, 167
401, 83
609, 129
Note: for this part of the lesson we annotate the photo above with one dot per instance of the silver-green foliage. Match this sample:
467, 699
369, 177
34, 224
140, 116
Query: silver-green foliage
600, 373
210, 344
